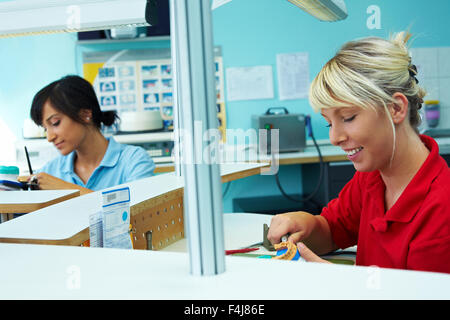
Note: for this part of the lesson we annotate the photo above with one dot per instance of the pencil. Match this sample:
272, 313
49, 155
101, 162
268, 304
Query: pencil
28, 160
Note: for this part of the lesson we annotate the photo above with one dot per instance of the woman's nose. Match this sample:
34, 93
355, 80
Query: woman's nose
50, 135
337, 135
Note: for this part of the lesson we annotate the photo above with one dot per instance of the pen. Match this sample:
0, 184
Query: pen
28, 160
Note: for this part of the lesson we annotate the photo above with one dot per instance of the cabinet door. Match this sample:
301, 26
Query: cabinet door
339, 174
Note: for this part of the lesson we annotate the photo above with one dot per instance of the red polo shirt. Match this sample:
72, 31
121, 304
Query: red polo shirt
413, 234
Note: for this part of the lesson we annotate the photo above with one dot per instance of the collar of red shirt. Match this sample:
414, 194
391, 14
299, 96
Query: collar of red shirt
412, 197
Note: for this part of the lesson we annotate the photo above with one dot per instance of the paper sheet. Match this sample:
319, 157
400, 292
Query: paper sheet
249, 83
116, 219
293, 75
96, 230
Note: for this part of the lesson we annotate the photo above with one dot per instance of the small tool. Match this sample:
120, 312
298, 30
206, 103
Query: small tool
266, 242
32, 184
228, 252
28, 161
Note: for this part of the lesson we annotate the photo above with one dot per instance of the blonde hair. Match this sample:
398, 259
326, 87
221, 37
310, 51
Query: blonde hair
366, 73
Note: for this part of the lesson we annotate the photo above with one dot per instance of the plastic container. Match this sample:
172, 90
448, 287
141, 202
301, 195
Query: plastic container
9, 173
432, 113
8, 178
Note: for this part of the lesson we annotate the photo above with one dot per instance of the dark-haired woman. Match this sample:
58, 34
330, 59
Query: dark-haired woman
69, 111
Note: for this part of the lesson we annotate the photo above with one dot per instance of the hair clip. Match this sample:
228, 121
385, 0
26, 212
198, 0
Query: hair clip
412, 69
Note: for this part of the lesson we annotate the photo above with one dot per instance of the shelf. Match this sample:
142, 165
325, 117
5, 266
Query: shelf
134, 40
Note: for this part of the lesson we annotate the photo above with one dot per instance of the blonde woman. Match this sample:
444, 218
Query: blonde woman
396, 208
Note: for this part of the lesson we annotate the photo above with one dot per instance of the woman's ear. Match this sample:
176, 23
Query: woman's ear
399, 109
86, 115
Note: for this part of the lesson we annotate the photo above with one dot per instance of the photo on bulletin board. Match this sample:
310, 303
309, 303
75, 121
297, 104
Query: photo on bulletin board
106, 72
149, 71
126, 85
126, 71
166, 84
127, 99
167, 97
108, 101
166, 70
150, 84
168, 112
107, 86
151, 98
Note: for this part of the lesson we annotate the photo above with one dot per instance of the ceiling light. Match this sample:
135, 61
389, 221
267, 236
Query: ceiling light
325, 10
28, 17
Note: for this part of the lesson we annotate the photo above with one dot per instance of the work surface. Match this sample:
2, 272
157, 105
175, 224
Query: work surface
60, 272
65, 219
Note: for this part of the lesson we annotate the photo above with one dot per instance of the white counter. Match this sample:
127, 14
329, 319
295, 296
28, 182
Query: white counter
65, 219
58, 272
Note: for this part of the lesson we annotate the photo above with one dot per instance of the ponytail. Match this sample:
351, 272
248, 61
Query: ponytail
108, 118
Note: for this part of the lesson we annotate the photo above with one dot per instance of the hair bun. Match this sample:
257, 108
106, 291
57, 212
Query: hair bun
108, 118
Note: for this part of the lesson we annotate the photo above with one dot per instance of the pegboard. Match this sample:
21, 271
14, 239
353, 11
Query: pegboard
158, 222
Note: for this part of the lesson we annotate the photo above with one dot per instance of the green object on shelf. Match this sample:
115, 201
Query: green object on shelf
341, 261
9, 170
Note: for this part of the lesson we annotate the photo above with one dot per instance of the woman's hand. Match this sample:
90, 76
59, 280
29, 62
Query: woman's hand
297, 224
308, 255
49, 182
46, 181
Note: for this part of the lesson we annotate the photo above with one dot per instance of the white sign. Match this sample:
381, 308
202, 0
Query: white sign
293, 75
249, 83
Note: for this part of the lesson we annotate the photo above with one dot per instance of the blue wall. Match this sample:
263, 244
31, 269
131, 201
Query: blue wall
250, 32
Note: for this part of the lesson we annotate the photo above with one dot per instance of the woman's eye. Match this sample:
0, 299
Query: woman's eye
56, 123
350, 119
328, 125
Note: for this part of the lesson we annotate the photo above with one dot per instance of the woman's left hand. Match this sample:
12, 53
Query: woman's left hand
308, 255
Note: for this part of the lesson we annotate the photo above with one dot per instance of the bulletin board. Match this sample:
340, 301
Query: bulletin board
136, 80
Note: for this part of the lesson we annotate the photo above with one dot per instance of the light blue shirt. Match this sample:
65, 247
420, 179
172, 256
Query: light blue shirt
121, 164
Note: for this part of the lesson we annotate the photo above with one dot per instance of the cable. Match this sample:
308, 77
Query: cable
321, 164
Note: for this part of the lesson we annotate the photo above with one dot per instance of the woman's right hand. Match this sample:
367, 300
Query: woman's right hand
46, 181
298, 225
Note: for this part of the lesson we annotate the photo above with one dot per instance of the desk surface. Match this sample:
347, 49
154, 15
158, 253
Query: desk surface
65, 219
27, 201
138, 274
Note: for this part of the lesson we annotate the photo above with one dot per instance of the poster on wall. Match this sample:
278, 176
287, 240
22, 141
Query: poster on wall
249, 83
137, 81
293, 75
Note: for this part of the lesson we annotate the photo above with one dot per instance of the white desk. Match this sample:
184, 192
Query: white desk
59, 272
66, 219
241, 230
28, 201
